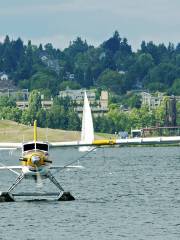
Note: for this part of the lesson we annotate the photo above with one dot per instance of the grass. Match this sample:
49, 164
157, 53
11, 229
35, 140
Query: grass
106, 135
13, 132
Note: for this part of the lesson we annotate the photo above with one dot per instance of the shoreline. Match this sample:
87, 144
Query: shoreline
11, 131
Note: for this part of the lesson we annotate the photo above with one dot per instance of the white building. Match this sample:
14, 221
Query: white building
152, 101
78, 95
4, 77
98, 106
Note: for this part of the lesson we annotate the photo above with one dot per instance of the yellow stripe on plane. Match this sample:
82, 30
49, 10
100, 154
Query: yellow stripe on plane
104, 142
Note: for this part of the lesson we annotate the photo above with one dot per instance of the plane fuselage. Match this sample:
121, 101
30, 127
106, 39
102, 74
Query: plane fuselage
35, 159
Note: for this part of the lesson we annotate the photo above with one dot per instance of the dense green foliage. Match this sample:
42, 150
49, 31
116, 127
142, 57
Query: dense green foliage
61, 115
113, 65
116, 120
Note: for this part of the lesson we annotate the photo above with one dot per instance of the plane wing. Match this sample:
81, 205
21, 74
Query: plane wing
51, 167
121, 142
103, 142
10, 167
67, 167
10, 145
66, 144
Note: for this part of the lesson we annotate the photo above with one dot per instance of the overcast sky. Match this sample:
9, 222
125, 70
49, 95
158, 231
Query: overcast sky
59, 21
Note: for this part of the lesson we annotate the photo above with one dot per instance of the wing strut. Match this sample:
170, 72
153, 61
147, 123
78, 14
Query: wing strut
18, 180
77, 160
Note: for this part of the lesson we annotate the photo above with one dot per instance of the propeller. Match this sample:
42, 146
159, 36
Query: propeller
38, 178
35, 160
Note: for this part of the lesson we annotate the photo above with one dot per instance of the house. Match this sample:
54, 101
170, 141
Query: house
21, 94
98, 106
78, 95
152, 100
44, 58
24, 104
4, 77
104, 99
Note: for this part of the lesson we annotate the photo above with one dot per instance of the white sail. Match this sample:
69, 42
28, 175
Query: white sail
87, 132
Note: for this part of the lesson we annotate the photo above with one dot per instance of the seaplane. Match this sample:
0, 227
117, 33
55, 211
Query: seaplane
35, 161
36, 164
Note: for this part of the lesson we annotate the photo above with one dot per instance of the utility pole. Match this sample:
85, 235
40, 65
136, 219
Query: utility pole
170, 118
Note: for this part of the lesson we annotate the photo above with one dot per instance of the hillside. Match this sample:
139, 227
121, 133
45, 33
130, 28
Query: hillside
113, 65
13, 132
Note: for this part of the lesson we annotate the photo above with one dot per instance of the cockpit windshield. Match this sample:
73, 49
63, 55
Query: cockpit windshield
39, 146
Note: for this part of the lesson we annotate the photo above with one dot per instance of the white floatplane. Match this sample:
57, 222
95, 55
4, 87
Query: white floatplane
35, 160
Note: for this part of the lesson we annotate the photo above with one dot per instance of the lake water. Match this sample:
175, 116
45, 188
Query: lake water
122, 193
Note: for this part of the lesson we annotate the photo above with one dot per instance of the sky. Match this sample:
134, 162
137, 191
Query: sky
61, 21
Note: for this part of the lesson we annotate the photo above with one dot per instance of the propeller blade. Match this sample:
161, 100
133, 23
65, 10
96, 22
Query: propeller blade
39, 180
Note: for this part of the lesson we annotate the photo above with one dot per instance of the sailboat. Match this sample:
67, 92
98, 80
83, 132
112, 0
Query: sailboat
87, 131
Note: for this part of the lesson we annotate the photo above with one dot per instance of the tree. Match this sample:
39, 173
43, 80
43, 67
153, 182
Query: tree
113, 43
162, 76
34, 105
176, 87
152, 49
144, 63
69, 84
11, 113
44, 79
41, 117
132, 100
111, 80
6, 101
26, 117
73, 120
76, 47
